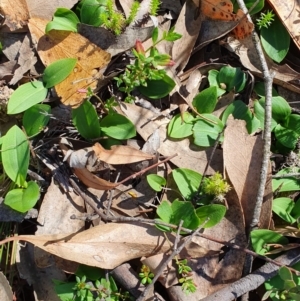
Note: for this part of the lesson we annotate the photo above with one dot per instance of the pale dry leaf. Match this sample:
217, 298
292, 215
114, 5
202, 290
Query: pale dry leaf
187, 157
6, 293
45, 9
56, 45
106, 246
188, 24
242, 161
15, 13
26, 60
120, 154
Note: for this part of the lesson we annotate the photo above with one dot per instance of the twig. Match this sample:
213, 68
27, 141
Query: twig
286, 175
254, 280
164, 265
157, 222
268, 79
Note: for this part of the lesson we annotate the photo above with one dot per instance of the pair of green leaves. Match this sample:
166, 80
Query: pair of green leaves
15, 160
284, 124
188, 182
114, 125
206, 128
35, 92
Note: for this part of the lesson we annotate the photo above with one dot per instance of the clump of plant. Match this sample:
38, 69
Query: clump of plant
265, 19
185, 272
146, 275
145, 73
91, 285
216, 186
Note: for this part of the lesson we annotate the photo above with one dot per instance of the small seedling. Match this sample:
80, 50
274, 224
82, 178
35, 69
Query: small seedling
265, 19
145, 68
146, 275
188, 285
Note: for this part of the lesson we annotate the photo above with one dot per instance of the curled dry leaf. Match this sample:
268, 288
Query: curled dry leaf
58, 44
120, 154
109, 245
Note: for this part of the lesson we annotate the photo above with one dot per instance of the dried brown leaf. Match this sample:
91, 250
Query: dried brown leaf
120, 154
56, 45
106, 246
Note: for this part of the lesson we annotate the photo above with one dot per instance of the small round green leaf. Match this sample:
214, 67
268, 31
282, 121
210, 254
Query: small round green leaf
260, 238
91, 10
233, 78
187, 181
156, 182
206, 100
15, 155
286, 137
287, 184
64, 19
156, 89
23, 199
205, 133
36, 118
26, 96
58, 71
275, 40
283, 207
210, 215
181, 126
86, 121
213, 81
117, 126
239, 110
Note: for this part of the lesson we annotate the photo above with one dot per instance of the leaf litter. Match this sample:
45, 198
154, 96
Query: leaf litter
108, 245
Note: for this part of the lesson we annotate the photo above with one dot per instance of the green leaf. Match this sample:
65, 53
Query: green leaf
23, 199
259, 89
172, 36
156, 182
91, 10
233, 78
58, 71
210, 214
281, 110
154, 35
260, 238
205, 133
92, 273
176, 211
156, 89
15, 155
117, 126
187, 181
206, 100
286, 137
36, 118
283, 207
178, 128
259, 110
86, 121
26, 96
287, 184
239, 110
296, 210
293, 123
275, 40
64, 19
213, 81
285, 274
